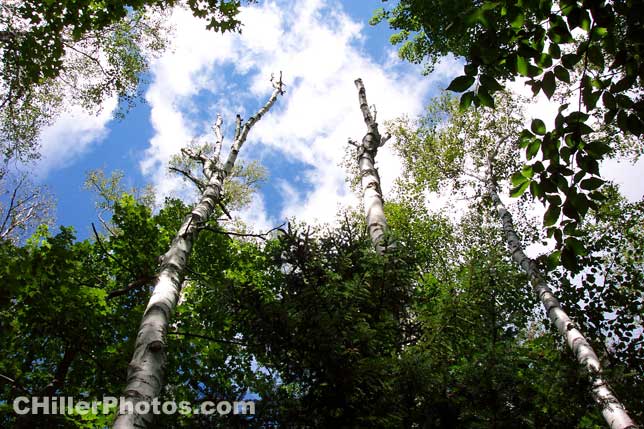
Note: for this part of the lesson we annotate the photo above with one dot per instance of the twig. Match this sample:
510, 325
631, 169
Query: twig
108, 254
141, 281
206, 337
240, 234
198, 183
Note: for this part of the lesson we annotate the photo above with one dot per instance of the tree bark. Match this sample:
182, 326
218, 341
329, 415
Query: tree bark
145, 371
612, 409
372, 194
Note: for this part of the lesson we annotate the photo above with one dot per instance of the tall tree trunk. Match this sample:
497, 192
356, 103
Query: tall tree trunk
145, 371
612, 409
372, 194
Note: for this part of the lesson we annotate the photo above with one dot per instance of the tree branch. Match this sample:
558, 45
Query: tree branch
206, 337
140, 282
198, 183
241, 234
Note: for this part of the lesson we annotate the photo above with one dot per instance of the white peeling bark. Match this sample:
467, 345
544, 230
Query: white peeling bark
145, 371
612, 409
372, 193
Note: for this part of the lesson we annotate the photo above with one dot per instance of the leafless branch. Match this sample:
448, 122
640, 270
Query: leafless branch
198, 183
219, 138
241, 234
138, 283
108, 254
206, 337
238, 121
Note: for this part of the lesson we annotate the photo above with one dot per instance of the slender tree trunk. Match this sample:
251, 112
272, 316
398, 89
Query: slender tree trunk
372, 194
612, 409
145, 371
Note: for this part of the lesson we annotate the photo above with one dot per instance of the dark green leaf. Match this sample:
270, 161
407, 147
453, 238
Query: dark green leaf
490, 83
597, 149
570, 60
562, 74
461, 83
522, 66
595, 56
552, 215
568, 259
466, 100
609, 100
548, 84
538, 127
471, 69
554, 50
576, 246
533, 149
485, 98
591, 184
635, 125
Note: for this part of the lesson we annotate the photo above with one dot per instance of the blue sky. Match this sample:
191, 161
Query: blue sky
321, 46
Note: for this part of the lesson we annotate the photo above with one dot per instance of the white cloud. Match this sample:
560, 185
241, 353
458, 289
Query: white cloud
319, 49
72, 135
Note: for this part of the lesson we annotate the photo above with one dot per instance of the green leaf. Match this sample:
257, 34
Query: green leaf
461, 83
538, 127
576, 246
527, 171
554, 259
533, 149
534, 71
595, 56
568, 259
554, 50
591, 184
570, 60
466, 101
522, 66
471, 69
597, 149
577, 117
635, 125
517, 22
609, 100
549, 84
485, 98
525, 138
517, 179
552, 215
535, 189
562, 74
517, 191
490, 83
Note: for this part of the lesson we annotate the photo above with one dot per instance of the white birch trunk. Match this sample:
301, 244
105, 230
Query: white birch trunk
145, 371
612, 409
372, 193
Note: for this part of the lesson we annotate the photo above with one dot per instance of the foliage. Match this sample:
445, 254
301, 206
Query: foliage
325, 313
80, 52
23, 206
592, 49
607, 297
448, 149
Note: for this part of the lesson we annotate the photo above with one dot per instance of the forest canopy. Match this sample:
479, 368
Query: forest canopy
499, 282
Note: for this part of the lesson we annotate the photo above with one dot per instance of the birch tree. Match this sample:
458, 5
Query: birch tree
599, 67
488, 153
145, 371
366, 155
23, 206
612, 409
